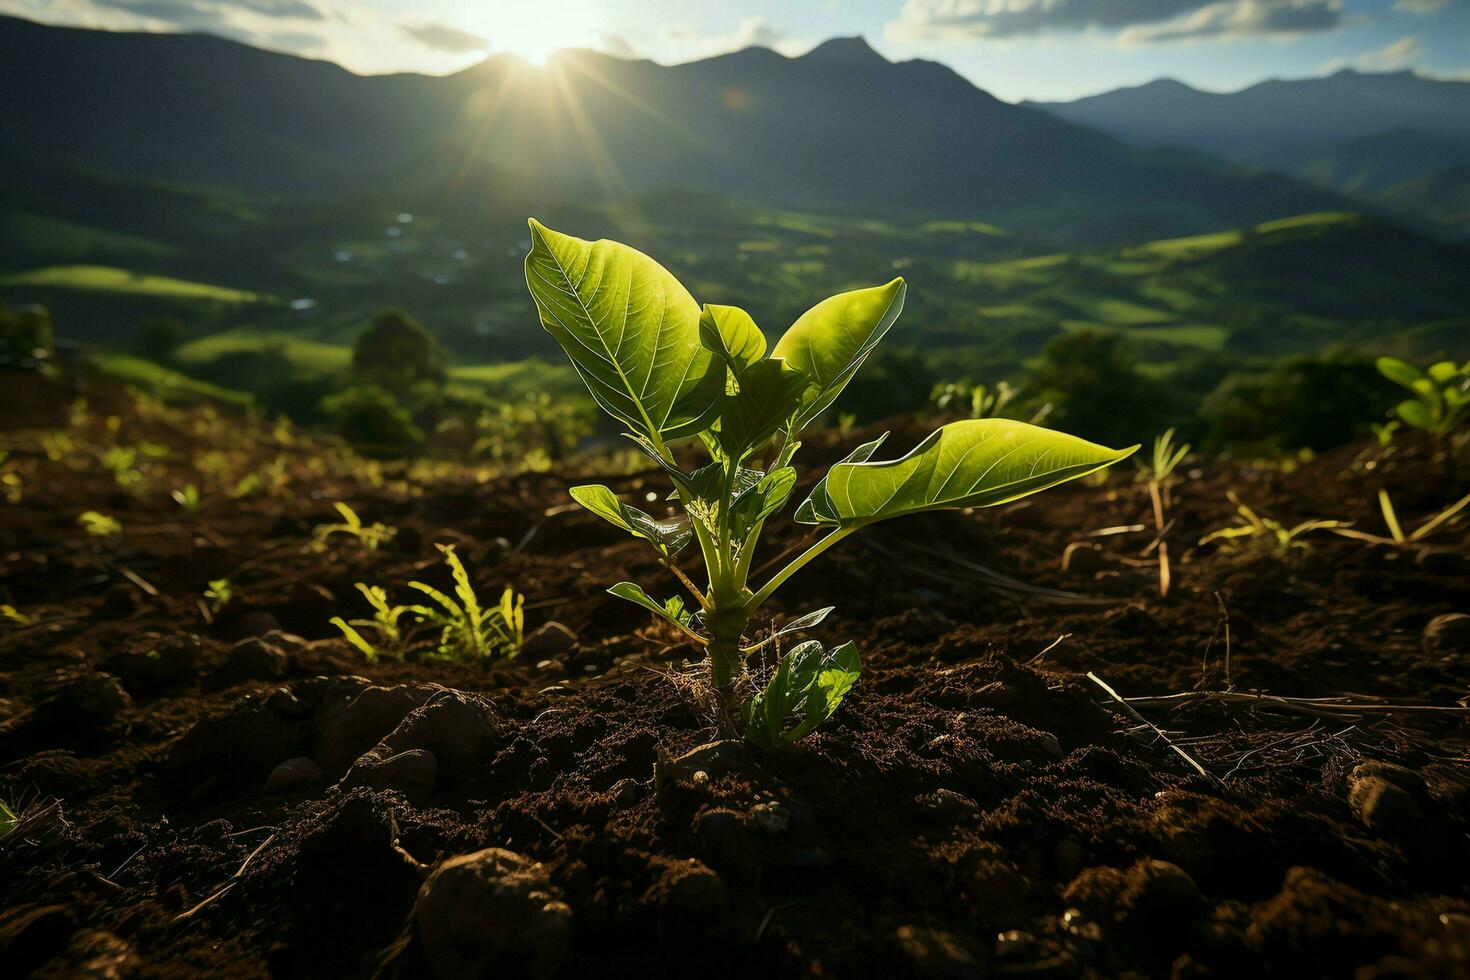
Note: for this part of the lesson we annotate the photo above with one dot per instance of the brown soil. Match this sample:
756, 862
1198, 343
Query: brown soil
977, 806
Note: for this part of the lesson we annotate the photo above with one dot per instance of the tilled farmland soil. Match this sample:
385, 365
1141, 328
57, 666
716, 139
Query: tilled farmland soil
250, 797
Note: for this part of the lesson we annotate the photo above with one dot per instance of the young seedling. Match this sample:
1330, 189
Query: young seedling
219, 594
14, 615
370, 536
1441, 401
1158, 472
470, 631
98, 524
673, 372
391, 640
189, 500
1264, 533
1397, 538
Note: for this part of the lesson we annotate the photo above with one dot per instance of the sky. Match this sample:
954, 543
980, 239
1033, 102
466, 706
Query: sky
1016, 49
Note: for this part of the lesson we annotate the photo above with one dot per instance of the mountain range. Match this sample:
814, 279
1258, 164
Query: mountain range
839, 127
1396, 140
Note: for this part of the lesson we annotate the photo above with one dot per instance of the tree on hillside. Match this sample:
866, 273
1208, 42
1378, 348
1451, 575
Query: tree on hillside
397, 354
1096, 392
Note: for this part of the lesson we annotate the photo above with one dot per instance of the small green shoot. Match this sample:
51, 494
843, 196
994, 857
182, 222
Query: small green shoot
468, 630
189, 500
219, 595
17, 617
1158, 472
389, 639
1446, 518
370, 536
1441, 401
98, 524
1254, 531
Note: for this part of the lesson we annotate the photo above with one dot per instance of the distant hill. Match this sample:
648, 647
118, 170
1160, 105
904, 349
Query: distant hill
839, 128
1354, 132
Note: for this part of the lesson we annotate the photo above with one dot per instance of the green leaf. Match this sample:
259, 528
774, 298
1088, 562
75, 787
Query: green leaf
1400, 372
974, 463
806, 512
762, 500
830, 341
808, 685
731, 334
798, 625
770, 392
634, 593
631, 331
666, 536
1416, 413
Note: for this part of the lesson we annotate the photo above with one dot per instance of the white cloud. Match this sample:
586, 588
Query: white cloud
1233, 19
1393, 56
750, 32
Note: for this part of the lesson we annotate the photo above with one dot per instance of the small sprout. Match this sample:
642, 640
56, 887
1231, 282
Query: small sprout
1445, 519
674, 372
1252, 529
12, 488
8, 820
1441, 393
122, 463
17, 617
188, 499
469, 631
1158, 471
219, 595
370, 536
98, 524
390, 639
1384, 432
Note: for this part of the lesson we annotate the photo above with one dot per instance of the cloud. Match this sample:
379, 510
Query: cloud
750, 32
1132, 21
441, 37
970, 19
1391, 57
192, 14
1242, 18
615, 45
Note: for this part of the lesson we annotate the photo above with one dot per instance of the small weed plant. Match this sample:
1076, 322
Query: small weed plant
98, 524
468, 630
370, 536
1397, 538
1158, 473
1255, 532
673, 372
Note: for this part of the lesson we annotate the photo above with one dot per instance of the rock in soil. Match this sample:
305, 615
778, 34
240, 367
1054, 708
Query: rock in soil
297, 773
549, 640
1447, 634
410, 773
493, 913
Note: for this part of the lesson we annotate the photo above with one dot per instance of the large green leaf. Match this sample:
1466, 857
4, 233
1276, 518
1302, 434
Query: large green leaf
769, 393
974, 463
729, 332
830, 341
666, 536
630, 329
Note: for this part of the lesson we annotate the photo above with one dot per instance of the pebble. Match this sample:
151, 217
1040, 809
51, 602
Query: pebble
411, 773
549, 640
292, 774
936, 953
493, 913
1383, 798
458, 728
713, 759
254, 658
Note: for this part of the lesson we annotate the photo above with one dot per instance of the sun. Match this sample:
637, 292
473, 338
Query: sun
532, 34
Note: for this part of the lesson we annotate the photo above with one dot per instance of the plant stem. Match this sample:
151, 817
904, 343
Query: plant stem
1158, 502
798, 563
